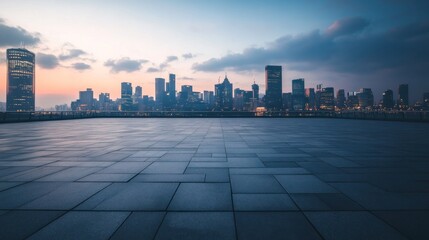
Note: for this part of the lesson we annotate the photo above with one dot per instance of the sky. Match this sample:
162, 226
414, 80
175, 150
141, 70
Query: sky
348, 44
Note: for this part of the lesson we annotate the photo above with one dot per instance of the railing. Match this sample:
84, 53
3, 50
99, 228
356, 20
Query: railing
416, 116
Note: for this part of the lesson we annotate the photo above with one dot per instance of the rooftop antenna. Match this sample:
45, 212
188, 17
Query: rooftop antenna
218, 80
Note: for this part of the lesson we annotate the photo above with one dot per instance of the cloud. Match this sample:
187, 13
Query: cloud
171, 59
15, 36
152, 70
344, 47
125, 65
167, 62
187, 56
187, 78
81, 66
71, 54
346, 26
47, 61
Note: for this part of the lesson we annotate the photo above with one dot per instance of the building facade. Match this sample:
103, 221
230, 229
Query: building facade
273, 85
223, 95
20, 90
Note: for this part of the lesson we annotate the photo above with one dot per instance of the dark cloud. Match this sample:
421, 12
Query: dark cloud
171, 59
152, 70
47, 61
81, 66
347, 26
188, 56
344, 47
125, 65
15, 36
71, 54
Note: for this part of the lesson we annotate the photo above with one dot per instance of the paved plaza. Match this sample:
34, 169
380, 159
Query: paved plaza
194, 178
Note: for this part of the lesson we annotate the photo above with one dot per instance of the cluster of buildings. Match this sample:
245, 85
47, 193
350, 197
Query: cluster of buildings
20, 94
226, 98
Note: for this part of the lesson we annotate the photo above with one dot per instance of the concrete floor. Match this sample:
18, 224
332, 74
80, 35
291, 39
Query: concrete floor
214, 179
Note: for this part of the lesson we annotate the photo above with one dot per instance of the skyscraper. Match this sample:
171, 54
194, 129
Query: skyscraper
138, 92
159, 92
327, 99
208, 97
403, 96
186, 93
172, 88
341, 99
388, 99
255, 89
426, 100
126, 96
86, 99
223, 95
273, 84
20, 89
298, 94
310, 99
366, 98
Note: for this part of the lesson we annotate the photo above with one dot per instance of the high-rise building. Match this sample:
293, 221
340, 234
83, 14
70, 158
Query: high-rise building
238, 99
318, 93
298, 94
388, 99
327, 99
159, 93
186, 93
223, 95
138, 92
255, 89
352, 100
426, 100
273, 85
208, 97
403, 96
126, 96
86, 99
287, 101
310, 96
341, 99
366, 98
20, 88
172, 88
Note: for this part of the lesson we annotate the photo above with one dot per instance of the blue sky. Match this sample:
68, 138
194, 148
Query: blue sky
346, 44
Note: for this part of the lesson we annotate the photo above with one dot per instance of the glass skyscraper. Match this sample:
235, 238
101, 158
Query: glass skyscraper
298, 94
20, 80
126, 96
273, 84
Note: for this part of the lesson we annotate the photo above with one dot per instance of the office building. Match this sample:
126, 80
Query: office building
388, 102
298, 94
327, 99
223, 95
341, 99
255, 90
366, 98
126, 96
159, 93
403, 96
310, 99
138, 92
20, 89
208, 98
273, 85
172, 89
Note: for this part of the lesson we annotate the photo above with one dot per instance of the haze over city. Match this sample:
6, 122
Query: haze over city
99, 44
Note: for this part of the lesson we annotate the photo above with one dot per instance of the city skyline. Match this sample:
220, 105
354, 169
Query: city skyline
200, 42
